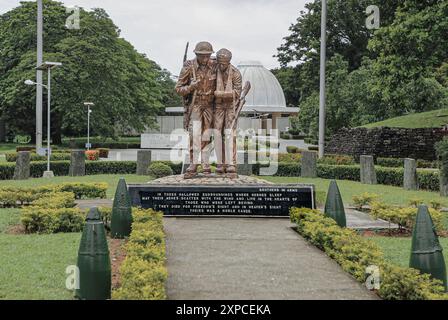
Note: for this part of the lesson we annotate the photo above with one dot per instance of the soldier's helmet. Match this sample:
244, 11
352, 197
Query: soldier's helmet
224, 55
203, 47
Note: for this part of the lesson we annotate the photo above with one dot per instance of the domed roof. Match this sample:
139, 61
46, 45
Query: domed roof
266, 92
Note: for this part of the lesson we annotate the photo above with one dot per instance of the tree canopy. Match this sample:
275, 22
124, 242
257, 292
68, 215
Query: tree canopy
128, 89
371, 74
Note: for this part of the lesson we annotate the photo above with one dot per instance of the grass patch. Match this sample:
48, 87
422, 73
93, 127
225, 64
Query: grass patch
110, 179
389, 194
9, 217
33, 266
429, 119
397, 250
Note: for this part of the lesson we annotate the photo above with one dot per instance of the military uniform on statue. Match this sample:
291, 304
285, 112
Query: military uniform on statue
197, 84
227, 98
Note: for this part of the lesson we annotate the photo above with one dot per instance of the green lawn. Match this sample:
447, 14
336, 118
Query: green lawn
111, 180
8, 217
389, 194
430, 119
398, 250
33, 266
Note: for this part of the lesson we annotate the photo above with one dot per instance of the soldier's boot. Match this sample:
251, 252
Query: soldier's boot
206, 170
191, 171
220, 169
231, 172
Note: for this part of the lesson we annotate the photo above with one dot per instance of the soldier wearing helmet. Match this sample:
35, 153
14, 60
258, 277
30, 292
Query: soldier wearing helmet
197, 84
227, 94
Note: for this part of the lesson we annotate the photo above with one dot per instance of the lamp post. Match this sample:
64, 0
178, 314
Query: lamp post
47, 66
323, 54
39, 76
88, 104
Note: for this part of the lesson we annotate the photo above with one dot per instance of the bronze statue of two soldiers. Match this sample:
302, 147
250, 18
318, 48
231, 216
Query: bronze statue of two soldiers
213, 99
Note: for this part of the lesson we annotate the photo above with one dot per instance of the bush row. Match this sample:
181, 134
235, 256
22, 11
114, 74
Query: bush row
427, 179
91, 155
399, 163
355, 253
403, 217
17, 196
61, 168
53, 212
143, 272
103, 145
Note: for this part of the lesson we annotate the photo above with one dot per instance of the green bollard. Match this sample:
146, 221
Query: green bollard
93, 260
426, 251
121, 220
334, 207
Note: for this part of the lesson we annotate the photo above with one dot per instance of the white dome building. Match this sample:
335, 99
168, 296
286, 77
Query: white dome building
265, 106
266, 98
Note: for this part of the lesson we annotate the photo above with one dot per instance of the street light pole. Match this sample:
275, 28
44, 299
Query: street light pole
48, 122
48, 66
39, 90
323, 54
88, 104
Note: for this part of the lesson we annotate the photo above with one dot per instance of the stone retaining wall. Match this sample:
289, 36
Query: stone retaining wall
386, 142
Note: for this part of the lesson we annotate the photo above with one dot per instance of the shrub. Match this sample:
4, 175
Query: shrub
143, 273
85, 190
290, 157
54, 200
17, 196
12, 157
92, 155
355, 253
390, 162
337, 159
159, 170
292, 149
403, 217
45, 220
364, 199
313, 148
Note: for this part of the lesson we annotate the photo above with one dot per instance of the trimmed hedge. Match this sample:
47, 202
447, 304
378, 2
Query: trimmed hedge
51, 213
17, 196
427, 179
399, 163
12, 157
159, 170
403, 217
355, 253
104, 145
143, 272
61, 168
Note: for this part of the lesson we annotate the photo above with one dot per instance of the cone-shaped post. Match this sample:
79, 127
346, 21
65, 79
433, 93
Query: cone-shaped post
426, 252
121, 220
93, 260
334, 207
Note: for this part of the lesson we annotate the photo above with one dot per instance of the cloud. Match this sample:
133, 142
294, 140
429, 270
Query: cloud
251, 29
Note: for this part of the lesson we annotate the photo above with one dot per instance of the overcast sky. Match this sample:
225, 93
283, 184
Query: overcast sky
251, 29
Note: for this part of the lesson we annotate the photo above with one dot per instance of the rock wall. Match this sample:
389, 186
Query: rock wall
386, 142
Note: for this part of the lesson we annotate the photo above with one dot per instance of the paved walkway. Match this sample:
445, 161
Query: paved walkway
250, 259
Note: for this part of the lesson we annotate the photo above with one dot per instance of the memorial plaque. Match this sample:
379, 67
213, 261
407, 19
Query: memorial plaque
223, 200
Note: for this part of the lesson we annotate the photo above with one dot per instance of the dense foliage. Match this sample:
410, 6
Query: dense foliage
371, 75
355, 253
127, 88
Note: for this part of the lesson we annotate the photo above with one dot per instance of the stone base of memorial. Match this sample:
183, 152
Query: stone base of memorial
214, 196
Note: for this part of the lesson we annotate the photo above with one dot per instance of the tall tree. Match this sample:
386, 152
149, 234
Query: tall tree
98, 66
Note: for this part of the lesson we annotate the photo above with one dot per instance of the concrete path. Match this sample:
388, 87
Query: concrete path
250, 259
